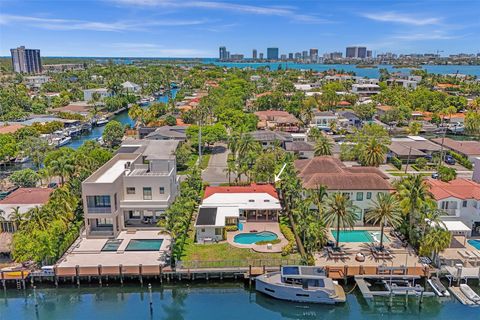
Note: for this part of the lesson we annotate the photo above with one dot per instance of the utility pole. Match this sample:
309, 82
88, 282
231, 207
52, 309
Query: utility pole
408, 159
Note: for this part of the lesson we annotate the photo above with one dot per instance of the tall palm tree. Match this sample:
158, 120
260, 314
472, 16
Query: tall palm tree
431, 215
412, 193
63, 167
323, 146
317, 196
386, 210
340, 213
373, 153
16, 217
435, 241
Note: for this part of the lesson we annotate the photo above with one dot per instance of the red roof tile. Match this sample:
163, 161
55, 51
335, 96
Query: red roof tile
12, 128
28, 196
253, 188
458, 188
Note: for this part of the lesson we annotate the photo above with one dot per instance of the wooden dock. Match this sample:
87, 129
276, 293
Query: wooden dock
461, 296
415, 290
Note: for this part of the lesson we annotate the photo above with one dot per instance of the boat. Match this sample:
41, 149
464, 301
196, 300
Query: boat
300, 284
438, 287
21, 159
63, 141
102, 121
469, 293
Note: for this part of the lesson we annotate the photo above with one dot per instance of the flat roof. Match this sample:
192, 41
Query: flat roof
112, 173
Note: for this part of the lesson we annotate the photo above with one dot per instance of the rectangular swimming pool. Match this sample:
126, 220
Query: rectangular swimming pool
144, 245
475, 243
360, 236
112, 245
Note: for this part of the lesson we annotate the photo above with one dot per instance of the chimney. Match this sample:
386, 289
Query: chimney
476, 170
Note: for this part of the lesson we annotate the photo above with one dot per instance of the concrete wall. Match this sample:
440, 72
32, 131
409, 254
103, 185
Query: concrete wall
208, 232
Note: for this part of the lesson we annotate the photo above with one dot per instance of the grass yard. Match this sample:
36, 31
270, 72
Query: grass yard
193, 160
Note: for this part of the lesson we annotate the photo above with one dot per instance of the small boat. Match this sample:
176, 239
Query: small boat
102, 121
469, 293
300, 284
21, 159
438, 287
63, 141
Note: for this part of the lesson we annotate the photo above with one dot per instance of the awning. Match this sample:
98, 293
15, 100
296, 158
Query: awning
454, 226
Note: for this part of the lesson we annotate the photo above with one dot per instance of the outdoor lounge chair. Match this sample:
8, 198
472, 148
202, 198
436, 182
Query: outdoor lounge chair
465, 254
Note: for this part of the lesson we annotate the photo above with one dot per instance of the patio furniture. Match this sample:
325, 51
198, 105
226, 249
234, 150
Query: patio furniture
360, 257
337, 254
381, 253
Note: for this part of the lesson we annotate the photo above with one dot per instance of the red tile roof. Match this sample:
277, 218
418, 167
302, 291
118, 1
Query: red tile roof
469, 148
28, 196
12, 128
253, 188
344, 103
459, 188
333, 174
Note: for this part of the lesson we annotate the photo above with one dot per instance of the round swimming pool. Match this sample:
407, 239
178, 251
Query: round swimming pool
253, 237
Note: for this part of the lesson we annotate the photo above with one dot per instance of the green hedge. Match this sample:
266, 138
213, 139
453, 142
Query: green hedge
268, 241
288, 234
397, 163
228, 229
462, 160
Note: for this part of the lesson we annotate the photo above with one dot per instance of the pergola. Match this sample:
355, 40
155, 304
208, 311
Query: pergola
456, 228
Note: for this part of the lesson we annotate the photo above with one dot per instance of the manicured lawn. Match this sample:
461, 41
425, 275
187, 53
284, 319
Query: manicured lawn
193, 160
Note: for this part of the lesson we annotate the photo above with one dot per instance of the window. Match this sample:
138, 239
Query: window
130, 190
115, 201
251, 200
369, 195
266, 200
147, 193
359, 196
98, 201
218, 231
464, 203
134, 214
346, 195
203, 229
104, 222
162, 190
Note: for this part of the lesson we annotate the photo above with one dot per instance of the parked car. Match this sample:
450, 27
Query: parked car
53, 185
449, 160
435, 175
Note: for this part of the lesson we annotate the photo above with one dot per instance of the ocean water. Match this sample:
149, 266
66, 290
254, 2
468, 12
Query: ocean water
226, 301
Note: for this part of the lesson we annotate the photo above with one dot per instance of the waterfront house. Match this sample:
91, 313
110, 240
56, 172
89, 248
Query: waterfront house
268, 138
131, 87
468, 149
360, 184
406, 83
103, 93
235, 206
132, 190
323, 120
20, 200
277, 120
459, 199
366, 89
168, 133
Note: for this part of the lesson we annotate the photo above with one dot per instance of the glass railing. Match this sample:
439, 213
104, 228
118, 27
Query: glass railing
99, 209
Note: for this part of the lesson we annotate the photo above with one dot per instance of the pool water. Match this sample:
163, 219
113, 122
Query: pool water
475, 243
144, 245
253, 237
112, 245
360, 236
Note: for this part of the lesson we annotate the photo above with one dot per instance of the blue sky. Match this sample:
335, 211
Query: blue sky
189, 28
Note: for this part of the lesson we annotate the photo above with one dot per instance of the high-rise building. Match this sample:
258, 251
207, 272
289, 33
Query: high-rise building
254, 54
362, 52
272, 53
26, 60
290, 56
351, 52
298, 56
222, 54
313, 55
227, 55
236, 56
261, 55
356, 52
304, 55
369, 53
283, 57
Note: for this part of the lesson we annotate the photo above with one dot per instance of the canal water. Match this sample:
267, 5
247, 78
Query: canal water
121, 117
226, 301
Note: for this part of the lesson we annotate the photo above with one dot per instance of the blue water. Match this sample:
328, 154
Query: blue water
474, 243
363, 72
358, 236
144, 245
121, 117
212, 301
252, 237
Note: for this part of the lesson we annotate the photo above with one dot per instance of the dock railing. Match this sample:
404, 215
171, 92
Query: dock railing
212, 264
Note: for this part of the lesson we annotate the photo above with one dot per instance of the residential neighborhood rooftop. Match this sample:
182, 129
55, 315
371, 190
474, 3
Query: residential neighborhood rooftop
458, 188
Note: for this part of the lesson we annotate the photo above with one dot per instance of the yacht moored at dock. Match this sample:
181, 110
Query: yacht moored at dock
300, 284
438, 287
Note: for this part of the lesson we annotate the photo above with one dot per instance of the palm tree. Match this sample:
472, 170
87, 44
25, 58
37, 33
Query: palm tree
63, 167
136, 113
2, 219
317, 196
386, 210
412, 193
431, 215
373, 153
340, 213
16, 217
435, 241
323, 146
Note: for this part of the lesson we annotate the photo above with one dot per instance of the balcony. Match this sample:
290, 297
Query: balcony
99, 210
451, 212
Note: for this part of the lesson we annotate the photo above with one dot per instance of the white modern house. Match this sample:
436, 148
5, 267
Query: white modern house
36, 81
460, 200
323, 120
132, 190
225, 206
102, 92
366, 89
131, 87
360, 184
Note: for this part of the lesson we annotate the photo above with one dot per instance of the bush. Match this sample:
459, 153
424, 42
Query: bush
462, 160
421, 163
228, 229
25, 178
268, 241
288, 234
397, 163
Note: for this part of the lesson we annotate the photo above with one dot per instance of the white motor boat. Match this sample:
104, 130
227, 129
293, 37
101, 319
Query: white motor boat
63, 141
102, 121
300, 284
438, 287
469, 293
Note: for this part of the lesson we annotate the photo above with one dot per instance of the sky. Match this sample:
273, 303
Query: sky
190, 28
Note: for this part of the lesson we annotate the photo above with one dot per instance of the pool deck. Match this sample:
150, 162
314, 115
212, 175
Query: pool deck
88, 252
259, 227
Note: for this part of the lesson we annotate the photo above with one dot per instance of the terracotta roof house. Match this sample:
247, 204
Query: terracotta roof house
459, 199
469, 149
22, 199
361, 184
237, 205
277, 120
10, 128
383, 109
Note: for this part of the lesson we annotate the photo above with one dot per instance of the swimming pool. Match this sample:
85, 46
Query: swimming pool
475, 243
253, 237
360, 236
112, 245
144, 245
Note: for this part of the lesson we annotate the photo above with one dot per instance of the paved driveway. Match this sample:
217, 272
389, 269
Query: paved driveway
215, 172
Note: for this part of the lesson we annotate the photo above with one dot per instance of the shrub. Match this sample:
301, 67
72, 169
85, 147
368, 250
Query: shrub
421, 163
228, 229
462, 160
288, 234
397, 163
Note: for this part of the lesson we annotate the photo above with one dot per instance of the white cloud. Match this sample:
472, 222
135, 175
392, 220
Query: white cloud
281, 11
401, 18
72, 24
155, 50
425, 36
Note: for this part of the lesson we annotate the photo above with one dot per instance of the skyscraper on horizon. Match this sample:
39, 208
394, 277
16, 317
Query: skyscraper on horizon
356, 52
254, 54
261, 55
313, 55
272, 53
26, 60
222, 53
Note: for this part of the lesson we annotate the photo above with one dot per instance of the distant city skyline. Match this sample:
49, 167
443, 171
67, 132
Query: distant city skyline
167, 28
